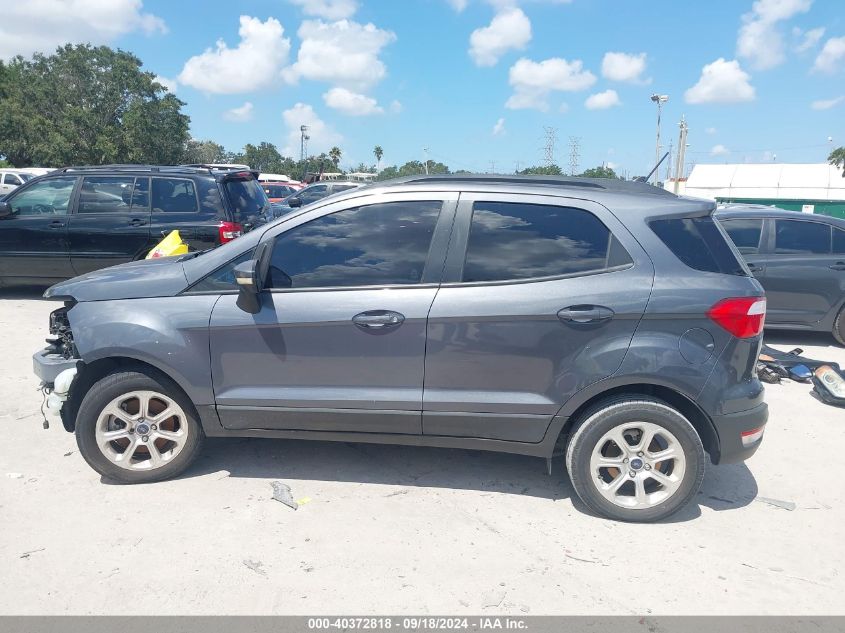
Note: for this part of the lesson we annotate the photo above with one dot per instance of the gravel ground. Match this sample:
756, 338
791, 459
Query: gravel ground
406, 530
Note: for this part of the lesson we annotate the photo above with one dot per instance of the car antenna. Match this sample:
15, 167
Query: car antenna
651, 173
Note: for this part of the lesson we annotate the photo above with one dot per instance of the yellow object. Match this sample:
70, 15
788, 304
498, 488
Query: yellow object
303, 501
171, 245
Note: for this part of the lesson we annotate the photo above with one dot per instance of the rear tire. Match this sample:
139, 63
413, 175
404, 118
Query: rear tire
657, 471
137, 427
839, 327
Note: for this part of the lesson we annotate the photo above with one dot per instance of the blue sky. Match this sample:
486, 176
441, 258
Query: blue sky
755, 80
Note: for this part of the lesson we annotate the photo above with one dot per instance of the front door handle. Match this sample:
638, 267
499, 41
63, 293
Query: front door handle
585, 314
137, 222
838, 266
378, 319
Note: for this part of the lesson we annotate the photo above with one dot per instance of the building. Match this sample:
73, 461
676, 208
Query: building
812, 188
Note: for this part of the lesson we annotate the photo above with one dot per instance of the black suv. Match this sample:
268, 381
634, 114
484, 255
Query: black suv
78, 219
799, 258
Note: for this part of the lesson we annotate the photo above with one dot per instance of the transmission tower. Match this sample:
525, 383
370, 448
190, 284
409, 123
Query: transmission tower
303, 142
574, 154
549, 147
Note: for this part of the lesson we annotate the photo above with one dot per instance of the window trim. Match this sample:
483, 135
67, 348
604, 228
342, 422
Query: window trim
198, 208
97, 214
456, 257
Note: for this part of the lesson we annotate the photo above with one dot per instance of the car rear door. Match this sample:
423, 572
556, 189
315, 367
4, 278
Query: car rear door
540, 298
339, 341
802, 277
111, 222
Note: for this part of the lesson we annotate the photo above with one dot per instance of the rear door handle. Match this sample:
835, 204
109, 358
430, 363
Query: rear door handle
378, 319
56, 224
585, 314
137, 222
838, 266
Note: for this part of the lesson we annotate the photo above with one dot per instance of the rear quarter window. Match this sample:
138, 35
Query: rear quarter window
699, 243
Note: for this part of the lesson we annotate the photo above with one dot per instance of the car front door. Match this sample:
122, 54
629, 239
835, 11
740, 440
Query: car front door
802, 278
540, 298
33, 238
111, 224
338, 343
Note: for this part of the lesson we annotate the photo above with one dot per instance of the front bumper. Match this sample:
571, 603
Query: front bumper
47, 365
731, 427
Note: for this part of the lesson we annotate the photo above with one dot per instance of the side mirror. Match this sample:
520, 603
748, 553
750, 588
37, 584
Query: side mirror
295, 202
5, 210
246, 276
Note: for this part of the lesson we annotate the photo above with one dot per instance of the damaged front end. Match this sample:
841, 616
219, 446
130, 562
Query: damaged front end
57, 364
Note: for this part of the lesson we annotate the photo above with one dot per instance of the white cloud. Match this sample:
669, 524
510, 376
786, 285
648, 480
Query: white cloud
710, 131
351, 103
603, 100
458, 5
170, 84
322, 135
827, 104
395, 107
719, 150
721, 82
499, 128
534, 81
30, 26
341, 53
759, 40
253, 64
831, 54
809, 39
240, 114
624, 67
509, 30
328, 9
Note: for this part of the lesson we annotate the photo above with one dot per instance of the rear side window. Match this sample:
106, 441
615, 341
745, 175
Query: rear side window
247, 197
512, 241
699, 244
106, 194
174, 195
745, 234
795, 237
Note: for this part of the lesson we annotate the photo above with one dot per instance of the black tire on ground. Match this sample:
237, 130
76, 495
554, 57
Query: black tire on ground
115, 385
625, 410
839, 327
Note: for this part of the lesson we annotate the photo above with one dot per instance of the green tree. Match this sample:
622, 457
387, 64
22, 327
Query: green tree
204, 152
599, 172
363, 168
542, 170
412, 168
263, 157
837, 158
378, 152
334, 154
87, 105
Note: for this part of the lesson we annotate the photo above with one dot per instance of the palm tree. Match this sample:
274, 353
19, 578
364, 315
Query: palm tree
335, 154
378, 152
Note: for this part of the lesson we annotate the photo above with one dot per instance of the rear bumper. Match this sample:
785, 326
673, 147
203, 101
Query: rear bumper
730, 428
47, 366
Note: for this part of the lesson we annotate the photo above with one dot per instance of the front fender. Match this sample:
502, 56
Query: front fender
169, 333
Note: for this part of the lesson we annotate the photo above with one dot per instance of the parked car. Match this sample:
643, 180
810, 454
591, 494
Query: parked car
526, 315
11, 179
312, 193
278, 191
799, 259
79, 219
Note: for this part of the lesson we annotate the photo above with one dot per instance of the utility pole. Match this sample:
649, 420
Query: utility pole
682, 150
303, 142
659, 100
574, 154
516, 168
425, 152
549, 147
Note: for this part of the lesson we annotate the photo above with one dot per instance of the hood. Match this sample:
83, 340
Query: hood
161, 277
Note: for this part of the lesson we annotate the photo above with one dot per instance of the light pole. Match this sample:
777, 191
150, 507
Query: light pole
659, 100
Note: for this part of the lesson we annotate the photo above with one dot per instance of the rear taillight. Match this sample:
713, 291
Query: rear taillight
741, 316
229, 231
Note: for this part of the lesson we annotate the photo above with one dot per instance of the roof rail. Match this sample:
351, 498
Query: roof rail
131, 167
608, 184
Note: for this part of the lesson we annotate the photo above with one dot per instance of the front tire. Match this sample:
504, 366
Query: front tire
134, 427
635, 459
839, 327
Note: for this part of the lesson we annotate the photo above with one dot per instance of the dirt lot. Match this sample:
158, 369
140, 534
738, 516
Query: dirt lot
406, 530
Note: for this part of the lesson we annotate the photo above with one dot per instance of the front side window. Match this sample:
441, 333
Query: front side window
48, 197
106, 194
511, 241
374, 245
223, 278
745, 234
174, 195
796, 237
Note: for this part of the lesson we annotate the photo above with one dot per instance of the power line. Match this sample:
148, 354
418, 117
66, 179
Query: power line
574, 154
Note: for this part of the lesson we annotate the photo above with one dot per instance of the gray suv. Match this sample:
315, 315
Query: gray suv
611, 320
